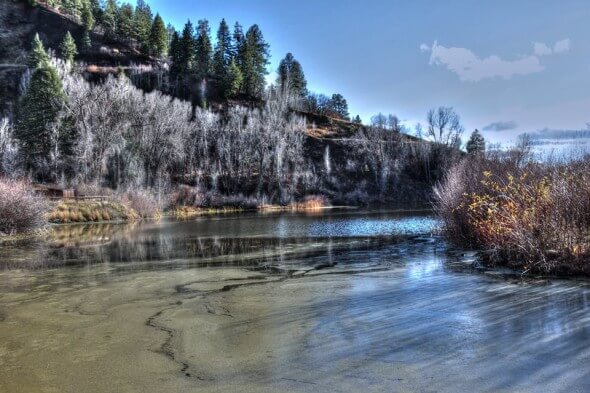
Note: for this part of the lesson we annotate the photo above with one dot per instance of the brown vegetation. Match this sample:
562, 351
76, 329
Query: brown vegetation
71, 211
527, 215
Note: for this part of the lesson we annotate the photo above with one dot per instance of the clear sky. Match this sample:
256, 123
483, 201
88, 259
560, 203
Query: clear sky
506, 66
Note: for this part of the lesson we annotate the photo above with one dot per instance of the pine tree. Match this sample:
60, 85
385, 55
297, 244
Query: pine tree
170, 30
223, 51
232, 83
291, 77
87, 16
186, 50
476, 143
38, 111
238, 40
68, 49
254, 54
203, 50
109, 17
86, 41
71, 7
125, 22
97, 11
158, 38
142, 20
339, 106
175, 54
357, 120
37, 57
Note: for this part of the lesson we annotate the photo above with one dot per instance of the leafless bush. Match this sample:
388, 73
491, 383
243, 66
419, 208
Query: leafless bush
143, 202
20, 209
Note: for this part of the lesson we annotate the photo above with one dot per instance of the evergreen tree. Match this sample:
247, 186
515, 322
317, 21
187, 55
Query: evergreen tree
476, 143
37, 57
223, 51
68, 49
170, 30
97, 11
238, 40
71, 7
254, 54
185, 52
87, 16
126, 22
158, 38
142, 24
232, 84
38, 111
203, 50
357, 120
86, 41
109, 17
291, 78
339, 106
175, 54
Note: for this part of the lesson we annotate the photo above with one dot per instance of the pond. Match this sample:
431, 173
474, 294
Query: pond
341, 301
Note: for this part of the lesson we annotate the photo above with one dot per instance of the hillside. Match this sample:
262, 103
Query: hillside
20, 22
237, 149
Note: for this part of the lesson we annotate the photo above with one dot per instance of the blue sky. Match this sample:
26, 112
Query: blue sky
506, 66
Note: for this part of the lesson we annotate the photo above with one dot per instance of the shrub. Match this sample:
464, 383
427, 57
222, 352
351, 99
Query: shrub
533, 216
20, 209
143, 202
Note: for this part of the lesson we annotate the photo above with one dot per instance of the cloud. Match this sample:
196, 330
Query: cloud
471, 68
501, 126
562, 46
541, 49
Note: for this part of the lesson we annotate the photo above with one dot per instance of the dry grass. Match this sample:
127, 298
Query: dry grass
86, 211
309, 203
188, 212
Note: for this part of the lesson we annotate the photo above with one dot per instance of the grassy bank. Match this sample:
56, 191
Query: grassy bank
91, 211
527, 215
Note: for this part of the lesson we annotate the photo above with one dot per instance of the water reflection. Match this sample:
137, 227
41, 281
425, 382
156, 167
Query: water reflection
236, 240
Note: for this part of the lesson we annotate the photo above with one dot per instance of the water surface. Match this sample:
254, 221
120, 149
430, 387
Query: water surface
333, 302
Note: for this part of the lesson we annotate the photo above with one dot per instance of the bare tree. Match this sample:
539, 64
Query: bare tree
7, 147
444, 126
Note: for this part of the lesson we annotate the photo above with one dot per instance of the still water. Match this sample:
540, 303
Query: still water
334, 302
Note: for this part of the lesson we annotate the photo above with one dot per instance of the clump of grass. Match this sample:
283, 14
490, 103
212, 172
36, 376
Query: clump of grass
90, 211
